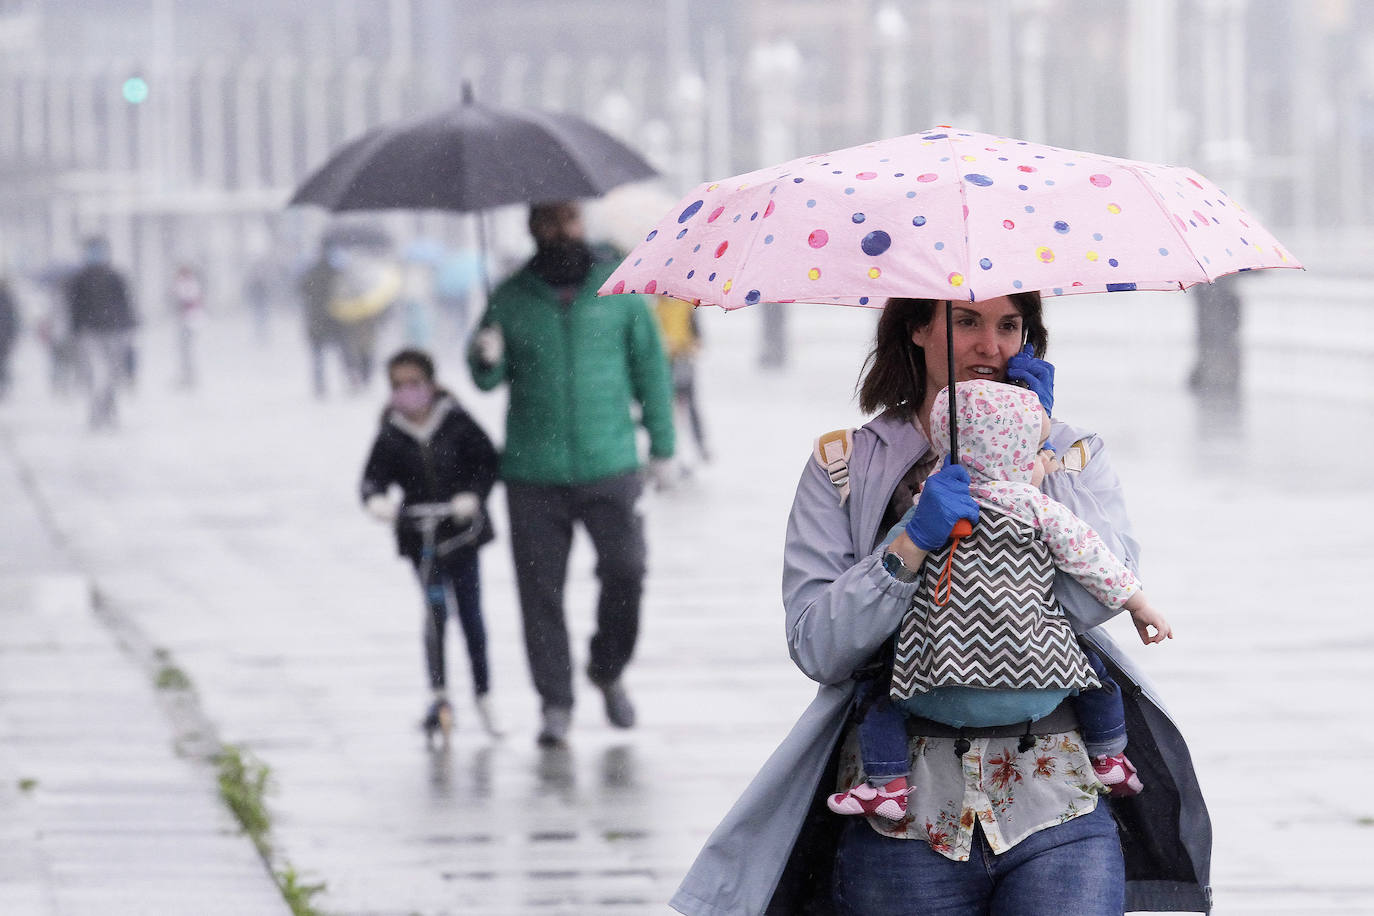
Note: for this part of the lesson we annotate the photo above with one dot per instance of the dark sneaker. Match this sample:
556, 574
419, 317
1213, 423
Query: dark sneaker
438, 718
557, 721
619, 710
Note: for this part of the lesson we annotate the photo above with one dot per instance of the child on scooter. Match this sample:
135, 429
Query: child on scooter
434, 452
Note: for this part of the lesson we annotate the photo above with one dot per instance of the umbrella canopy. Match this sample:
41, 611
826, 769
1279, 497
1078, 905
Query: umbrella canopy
471, 157
945, 214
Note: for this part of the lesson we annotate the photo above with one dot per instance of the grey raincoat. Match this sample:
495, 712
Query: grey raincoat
773, 851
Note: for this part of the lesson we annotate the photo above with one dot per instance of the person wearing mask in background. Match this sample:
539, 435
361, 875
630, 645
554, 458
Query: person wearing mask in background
102, 321
321, 330
577, 364
188, 310
434, 452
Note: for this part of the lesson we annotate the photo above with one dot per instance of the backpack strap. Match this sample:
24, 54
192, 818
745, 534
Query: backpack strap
832, 453
1076, 457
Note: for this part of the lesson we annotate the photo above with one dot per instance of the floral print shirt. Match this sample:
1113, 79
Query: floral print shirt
1011, 794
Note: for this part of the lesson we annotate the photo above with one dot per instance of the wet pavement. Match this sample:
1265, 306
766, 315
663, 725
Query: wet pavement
98, 815
222, 533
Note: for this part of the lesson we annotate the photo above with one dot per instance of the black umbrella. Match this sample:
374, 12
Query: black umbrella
471, 157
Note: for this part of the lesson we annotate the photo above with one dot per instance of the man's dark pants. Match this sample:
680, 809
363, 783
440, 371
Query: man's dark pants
541, 524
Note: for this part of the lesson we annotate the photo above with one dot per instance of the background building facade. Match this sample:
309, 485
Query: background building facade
179, 127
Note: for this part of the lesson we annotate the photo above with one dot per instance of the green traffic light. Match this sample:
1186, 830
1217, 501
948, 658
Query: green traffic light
135, 90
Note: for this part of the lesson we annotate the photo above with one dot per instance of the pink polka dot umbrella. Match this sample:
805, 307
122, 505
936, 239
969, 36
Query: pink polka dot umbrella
945, 214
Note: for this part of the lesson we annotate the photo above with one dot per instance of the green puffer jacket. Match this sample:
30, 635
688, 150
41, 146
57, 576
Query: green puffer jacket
574, 372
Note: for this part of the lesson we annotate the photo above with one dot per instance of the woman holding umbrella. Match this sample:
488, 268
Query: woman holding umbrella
1044, 848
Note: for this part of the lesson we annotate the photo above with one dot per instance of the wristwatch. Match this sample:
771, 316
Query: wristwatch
897, 569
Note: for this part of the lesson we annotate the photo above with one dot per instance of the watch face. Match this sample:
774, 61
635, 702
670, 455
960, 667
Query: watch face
896, 568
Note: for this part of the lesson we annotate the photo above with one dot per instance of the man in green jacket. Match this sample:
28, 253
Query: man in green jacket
576, 365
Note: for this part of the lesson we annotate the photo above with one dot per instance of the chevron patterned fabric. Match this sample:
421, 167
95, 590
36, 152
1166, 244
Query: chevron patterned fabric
1001, 627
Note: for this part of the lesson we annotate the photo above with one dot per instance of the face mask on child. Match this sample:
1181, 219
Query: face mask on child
412, 400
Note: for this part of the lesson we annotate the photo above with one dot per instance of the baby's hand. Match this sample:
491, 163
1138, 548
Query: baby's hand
1146, 617
1046, 462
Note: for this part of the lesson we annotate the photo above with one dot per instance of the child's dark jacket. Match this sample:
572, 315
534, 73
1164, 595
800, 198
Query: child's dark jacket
431, 463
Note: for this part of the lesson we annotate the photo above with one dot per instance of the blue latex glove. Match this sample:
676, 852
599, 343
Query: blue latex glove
1037, 375
944, 500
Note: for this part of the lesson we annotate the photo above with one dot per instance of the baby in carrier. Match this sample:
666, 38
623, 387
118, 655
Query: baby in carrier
985, 643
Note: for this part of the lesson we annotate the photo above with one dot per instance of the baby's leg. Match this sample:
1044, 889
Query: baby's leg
884, 754
1102, 722
882, 739
1101, 715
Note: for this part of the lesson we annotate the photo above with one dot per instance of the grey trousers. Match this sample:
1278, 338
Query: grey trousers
541, 524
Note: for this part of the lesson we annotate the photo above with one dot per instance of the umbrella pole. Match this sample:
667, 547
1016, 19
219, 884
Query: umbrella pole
962, 528
953, 407
482, 254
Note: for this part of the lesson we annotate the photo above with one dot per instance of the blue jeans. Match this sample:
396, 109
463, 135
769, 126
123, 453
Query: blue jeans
883, 744
460, 576
1071, 869
1101, 716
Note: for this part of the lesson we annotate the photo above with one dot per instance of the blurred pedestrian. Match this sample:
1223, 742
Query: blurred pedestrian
682, 338
435, 454
188, 311
103, 322
1218, 366
262, 289
367, 283
54, 330
417, 301
9, 333
576, 365
321, 330
266, 278
773, 336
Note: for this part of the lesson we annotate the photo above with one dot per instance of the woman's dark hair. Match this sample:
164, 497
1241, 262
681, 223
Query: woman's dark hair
412, 357
893, 378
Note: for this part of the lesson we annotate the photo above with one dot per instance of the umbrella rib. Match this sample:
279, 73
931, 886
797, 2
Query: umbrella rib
1169, 221
964, 209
